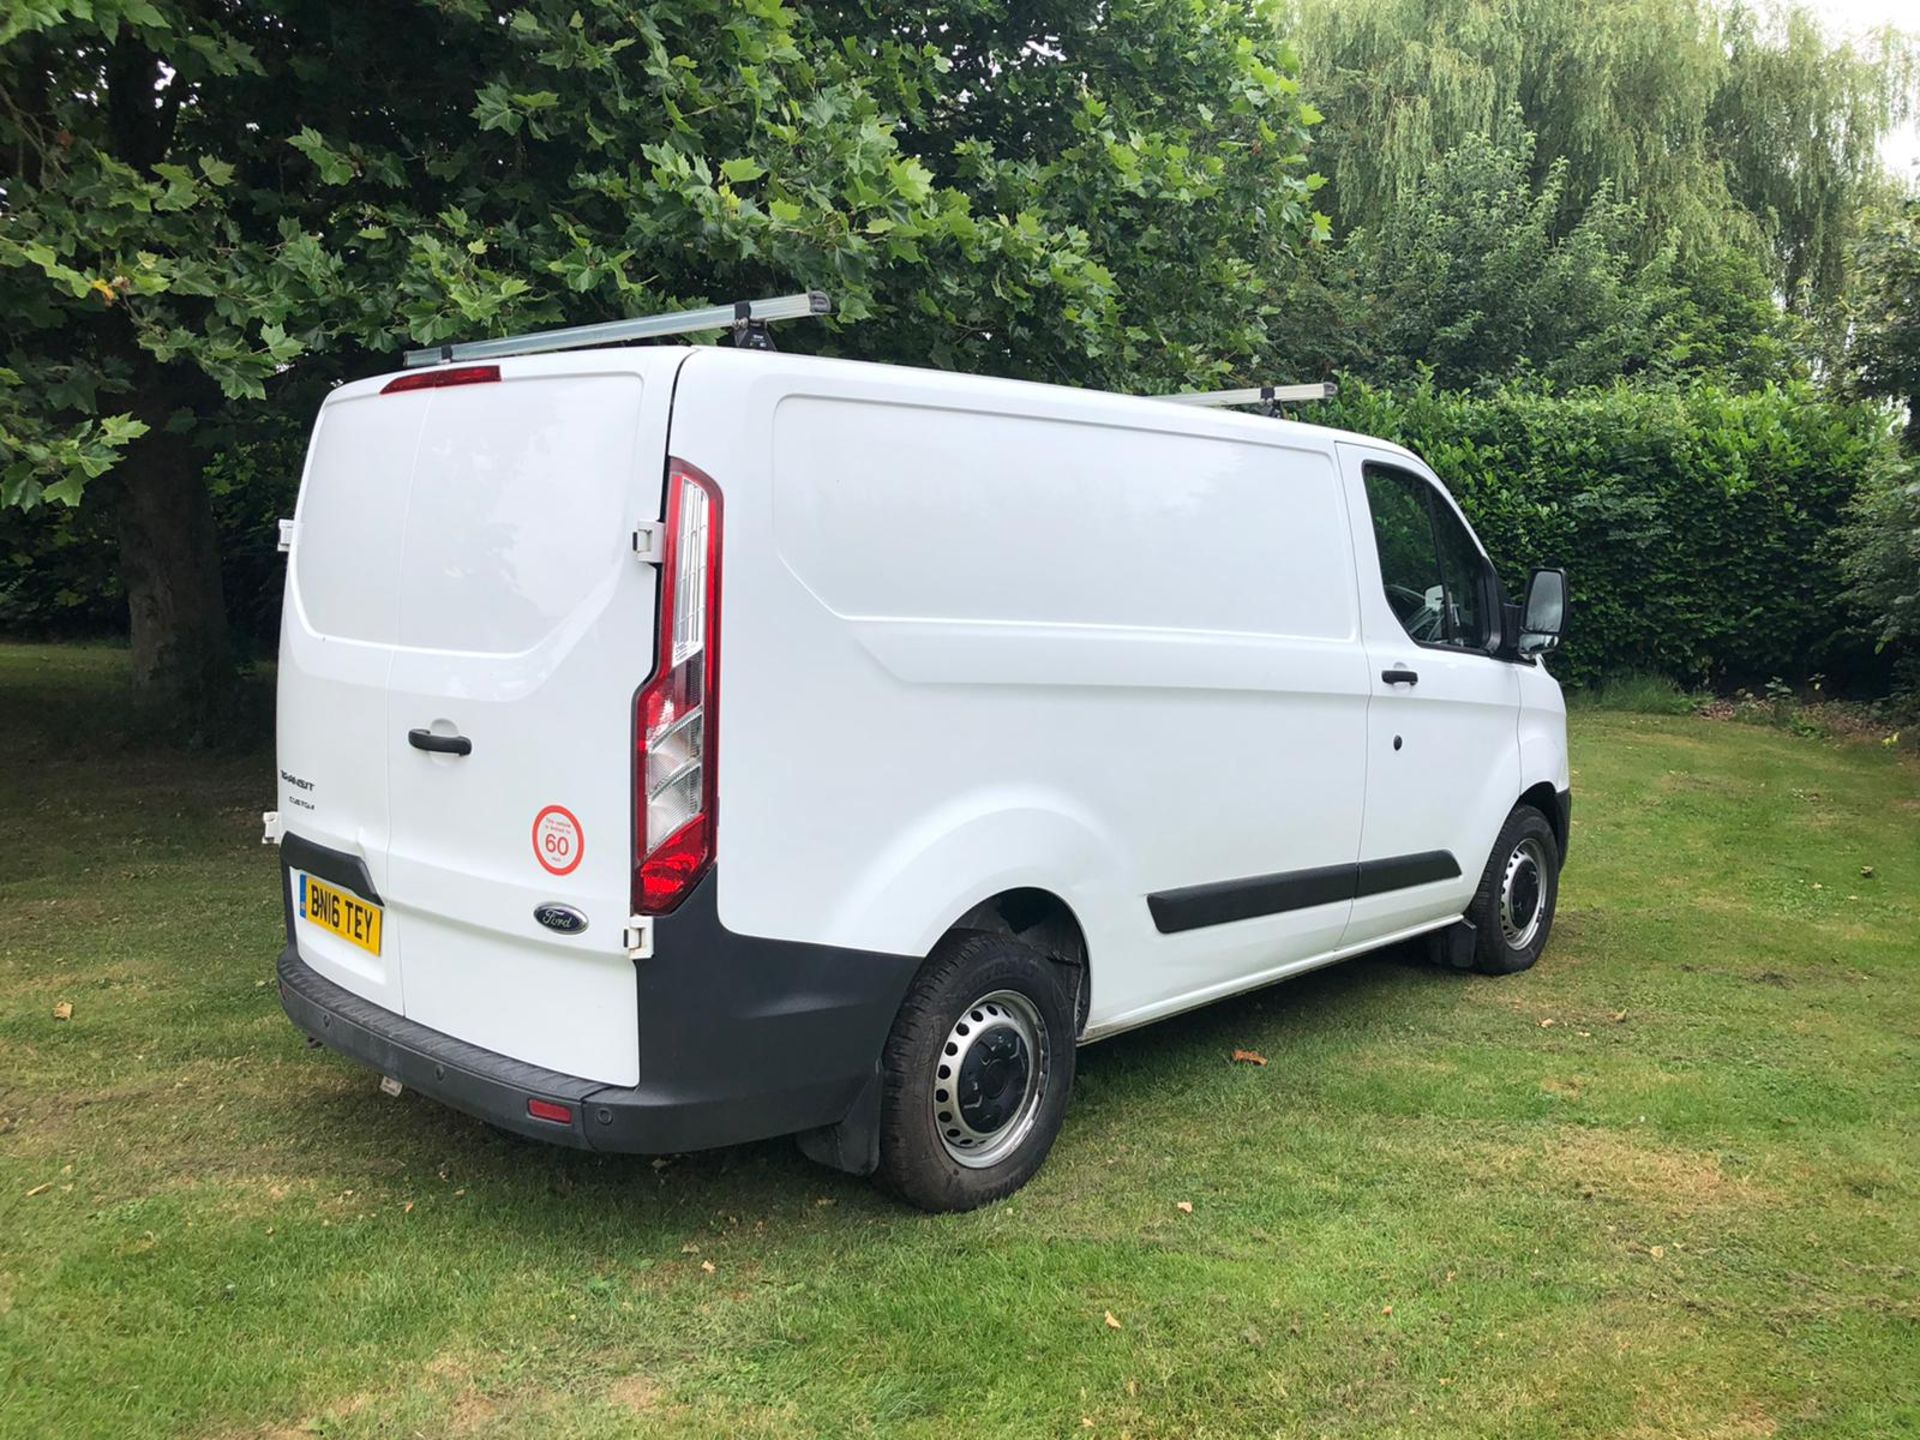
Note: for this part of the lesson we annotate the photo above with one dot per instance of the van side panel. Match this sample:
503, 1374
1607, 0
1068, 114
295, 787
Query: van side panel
1034, 521
980, 635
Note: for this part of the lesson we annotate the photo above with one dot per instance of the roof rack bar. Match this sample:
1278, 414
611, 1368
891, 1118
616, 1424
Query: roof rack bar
644, 327
1256, 395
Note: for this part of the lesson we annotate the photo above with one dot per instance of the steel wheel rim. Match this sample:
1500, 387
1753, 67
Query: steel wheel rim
989, 1079
1523, 894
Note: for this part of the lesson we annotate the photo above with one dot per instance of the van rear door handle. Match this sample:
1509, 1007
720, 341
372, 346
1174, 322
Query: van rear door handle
439, 744
1397, 676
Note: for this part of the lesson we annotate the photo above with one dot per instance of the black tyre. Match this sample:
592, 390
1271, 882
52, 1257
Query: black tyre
1512, 911
975, 1075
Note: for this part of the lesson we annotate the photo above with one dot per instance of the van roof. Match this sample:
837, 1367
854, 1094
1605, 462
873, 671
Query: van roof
651, 359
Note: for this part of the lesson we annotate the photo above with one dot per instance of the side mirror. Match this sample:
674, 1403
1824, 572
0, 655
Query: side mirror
1543, 618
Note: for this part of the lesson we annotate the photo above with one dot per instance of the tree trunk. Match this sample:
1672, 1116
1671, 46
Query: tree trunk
1913, 424
183, 672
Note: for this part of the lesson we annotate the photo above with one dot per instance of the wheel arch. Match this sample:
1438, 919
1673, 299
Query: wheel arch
1031, 913
1045, 921
1544, 798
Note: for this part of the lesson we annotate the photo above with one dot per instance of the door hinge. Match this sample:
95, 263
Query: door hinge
650, 541
638, 937
286, 536
270, 820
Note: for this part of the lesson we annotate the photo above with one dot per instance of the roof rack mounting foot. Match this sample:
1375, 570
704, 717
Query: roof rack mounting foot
749, 333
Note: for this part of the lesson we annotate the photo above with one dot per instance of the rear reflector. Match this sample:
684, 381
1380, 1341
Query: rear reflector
438, 379
547, 1110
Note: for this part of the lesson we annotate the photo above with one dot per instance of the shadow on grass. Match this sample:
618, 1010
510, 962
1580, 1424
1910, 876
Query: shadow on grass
349, 1128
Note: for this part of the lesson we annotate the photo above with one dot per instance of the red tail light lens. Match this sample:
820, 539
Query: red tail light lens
547, 1110
675, 726
439, 379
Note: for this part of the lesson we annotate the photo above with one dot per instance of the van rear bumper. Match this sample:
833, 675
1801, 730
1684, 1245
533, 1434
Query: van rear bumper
741, 1039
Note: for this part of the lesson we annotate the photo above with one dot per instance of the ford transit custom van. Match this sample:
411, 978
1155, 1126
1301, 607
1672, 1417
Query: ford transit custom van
681, 746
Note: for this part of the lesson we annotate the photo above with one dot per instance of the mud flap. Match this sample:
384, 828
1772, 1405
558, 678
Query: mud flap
1452, 947
853, 1145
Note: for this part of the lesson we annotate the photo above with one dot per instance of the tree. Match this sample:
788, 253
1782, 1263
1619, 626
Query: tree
212, 206
1172, 135
1879, 547
1475, 279
1885, 343
1731, 125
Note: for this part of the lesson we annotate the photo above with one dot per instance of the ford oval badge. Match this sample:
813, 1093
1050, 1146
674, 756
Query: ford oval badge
562, 918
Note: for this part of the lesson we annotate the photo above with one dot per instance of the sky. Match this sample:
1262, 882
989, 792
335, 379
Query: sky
1854, 17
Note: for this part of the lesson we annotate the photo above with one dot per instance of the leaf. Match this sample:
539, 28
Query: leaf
119, 429
334, 168
707, 1265
63, 1011
1248, 1057
1185, 1207
495, 111
742, 170
1113, 1321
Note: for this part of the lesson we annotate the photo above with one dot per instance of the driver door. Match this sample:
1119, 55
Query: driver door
1443, 764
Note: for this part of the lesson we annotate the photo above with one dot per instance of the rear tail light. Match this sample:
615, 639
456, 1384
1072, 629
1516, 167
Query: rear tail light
547, 1110
675, 726
440, 379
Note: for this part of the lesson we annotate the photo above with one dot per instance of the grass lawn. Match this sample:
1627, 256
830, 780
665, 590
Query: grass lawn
1668, 1184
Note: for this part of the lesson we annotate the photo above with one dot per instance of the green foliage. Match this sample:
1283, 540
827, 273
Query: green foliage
253, 196
1691, 522
1170, 135
56, 574
1635, 694
1474, 278
1884, 347
1731, 125
1878, 548
1878, 553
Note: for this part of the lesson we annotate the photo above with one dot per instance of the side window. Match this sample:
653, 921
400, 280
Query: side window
1409, 564
1464, 572
1434, 576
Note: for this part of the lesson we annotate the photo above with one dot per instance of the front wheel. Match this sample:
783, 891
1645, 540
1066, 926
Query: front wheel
975, 1075
1512, 911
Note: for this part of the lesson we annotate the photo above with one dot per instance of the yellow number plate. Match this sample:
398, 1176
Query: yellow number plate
347, 916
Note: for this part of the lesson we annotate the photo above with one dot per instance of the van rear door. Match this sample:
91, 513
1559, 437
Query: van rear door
510, 625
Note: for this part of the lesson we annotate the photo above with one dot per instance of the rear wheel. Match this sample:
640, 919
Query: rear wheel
1512, 911
975, 1075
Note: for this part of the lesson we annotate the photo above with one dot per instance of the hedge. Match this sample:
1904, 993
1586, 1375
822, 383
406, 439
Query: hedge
1693, 522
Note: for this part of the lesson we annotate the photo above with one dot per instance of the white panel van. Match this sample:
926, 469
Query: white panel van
681, 746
